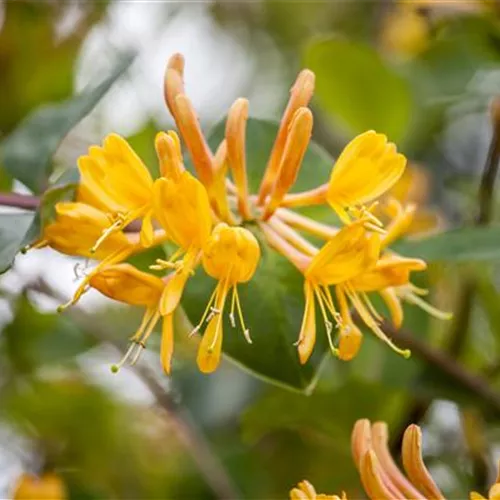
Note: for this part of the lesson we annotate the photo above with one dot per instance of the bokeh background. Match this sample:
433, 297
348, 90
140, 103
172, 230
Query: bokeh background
425, 73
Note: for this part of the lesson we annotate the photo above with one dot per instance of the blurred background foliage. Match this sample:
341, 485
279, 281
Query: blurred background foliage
424, 72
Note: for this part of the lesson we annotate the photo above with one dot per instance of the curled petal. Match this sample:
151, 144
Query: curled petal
167, 343
127, 284
394, 305
370, 472
361, 440
414, 464
366, 169
307, 337
380, 446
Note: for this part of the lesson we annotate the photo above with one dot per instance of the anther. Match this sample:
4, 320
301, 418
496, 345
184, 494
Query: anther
246, 334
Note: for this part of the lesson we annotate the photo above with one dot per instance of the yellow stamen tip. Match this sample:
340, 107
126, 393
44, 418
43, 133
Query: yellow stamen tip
406, 353
114, 368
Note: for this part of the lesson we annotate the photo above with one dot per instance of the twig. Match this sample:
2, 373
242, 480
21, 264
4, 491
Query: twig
447, 365
16, 200
186, 430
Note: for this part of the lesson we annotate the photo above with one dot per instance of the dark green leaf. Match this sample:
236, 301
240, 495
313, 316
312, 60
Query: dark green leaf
27, 153
273, 300
464, 244
357, 89
13, 229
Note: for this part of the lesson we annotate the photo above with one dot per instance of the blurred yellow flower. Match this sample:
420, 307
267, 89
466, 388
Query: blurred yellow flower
49, 486
305, 491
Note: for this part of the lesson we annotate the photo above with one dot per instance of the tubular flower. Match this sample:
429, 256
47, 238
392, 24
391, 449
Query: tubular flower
127, 284
116, 189
366, 169
182, 207
231, 256
76, 227
114, 180
350, 252
381, 477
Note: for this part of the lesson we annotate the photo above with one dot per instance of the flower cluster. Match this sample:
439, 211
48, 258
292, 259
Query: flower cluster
380, 476
214, 221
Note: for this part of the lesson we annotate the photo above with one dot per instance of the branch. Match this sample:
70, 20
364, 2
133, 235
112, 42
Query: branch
447, 365
16, 200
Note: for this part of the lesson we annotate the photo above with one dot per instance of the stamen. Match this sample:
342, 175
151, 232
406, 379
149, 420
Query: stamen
412, 298
208, 309
371, 323
246, 331
220, 300
328, 323
36, 245
107, 232
371, 307
116, 368
231, 313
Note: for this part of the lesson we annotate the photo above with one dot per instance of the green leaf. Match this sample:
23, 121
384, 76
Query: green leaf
13, 229
27, 153
457, 245
357, 88
272, 301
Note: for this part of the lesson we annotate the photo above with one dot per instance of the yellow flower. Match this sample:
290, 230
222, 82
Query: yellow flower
406, 31
49, 486
76, 228
114, 180
381, 477
231, 256
127, 284
367, 167
305, 491
350, 252
182, 207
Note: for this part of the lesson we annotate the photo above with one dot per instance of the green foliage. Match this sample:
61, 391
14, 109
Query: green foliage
27, 153
457, 245
356, 88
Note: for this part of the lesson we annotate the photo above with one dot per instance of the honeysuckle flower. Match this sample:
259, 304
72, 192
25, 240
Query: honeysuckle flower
182, 207
381, 477
127, 284
76, 228
305, 491
116, 181
116, 189
231, 256
350, 252
367, 167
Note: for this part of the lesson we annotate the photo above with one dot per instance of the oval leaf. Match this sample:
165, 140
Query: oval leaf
356, 87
